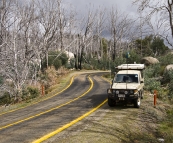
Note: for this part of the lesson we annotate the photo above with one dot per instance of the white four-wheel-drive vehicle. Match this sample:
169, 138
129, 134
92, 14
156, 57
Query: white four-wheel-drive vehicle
127, 85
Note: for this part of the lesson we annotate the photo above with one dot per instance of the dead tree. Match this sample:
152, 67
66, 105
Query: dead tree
120, 26
161, 9
84, 38
48, 19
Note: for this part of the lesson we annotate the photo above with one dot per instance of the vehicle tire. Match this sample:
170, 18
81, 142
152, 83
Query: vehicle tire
111, 102
137, 102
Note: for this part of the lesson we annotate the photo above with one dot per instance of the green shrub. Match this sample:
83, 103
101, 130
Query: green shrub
55, 61
5, 99
30, 93
71, 64
170, 87
64, 59
168, 80
57, 64
152, 82
157, 70
167, 77
87, 66
154, 71
118, 61
34, 92
133, 56
148, 72
166, 59
25, 94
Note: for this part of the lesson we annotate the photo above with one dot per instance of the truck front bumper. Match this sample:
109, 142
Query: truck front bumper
122, 97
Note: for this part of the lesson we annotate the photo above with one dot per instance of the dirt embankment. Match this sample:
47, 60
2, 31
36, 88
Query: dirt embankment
120, 124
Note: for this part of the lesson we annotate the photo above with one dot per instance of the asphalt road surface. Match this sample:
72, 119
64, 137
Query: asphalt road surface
29, 124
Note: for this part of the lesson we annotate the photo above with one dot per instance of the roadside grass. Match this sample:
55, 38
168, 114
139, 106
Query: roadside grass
166, 127
157, 124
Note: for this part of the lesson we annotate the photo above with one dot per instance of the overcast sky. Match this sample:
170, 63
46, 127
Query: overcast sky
123, 5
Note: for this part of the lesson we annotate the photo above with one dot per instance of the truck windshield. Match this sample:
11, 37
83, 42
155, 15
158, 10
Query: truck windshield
124, 78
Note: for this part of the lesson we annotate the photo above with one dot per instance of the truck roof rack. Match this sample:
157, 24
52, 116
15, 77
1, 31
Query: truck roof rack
131, 66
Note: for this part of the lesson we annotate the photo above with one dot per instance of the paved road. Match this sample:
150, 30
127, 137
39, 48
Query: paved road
31, 123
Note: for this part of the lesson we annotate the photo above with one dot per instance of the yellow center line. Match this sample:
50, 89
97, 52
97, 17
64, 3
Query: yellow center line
31, 117
68, 124
71, 81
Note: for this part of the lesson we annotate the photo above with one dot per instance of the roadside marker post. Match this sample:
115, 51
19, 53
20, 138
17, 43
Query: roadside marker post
42, 90
155, 97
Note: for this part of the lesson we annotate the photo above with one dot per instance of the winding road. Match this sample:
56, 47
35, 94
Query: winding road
38, 122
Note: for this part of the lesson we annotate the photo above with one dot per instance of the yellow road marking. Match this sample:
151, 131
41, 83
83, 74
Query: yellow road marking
68, 125
50, 109
71, 81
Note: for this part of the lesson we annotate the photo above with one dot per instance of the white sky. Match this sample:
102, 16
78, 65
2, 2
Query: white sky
83, 6
123, 5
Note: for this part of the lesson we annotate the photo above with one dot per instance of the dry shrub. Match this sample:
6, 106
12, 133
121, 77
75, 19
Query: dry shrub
62, 71
52, 75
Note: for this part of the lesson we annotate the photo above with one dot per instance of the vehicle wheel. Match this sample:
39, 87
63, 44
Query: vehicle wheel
137, 102
111, 102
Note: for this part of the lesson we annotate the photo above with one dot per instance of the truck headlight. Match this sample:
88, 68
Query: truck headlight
126, 92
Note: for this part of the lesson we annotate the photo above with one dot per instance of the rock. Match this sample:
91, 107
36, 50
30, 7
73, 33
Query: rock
168, 67
149, 61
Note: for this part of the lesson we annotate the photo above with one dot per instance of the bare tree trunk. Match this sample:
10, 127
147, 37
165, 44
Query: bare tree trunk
169, 9
61, 24
120, 26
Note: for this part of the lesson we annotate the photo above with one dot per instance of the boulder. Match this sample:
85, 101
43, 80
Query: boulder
149, 61
168, 67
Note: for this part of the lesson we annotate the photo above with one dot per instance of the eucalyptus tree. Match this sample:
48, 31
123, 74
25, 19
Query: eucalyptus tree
56, 22
120, 26
5, 16
100, 27
84, 37
48, 20
162, 11
5, 24
19, 48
